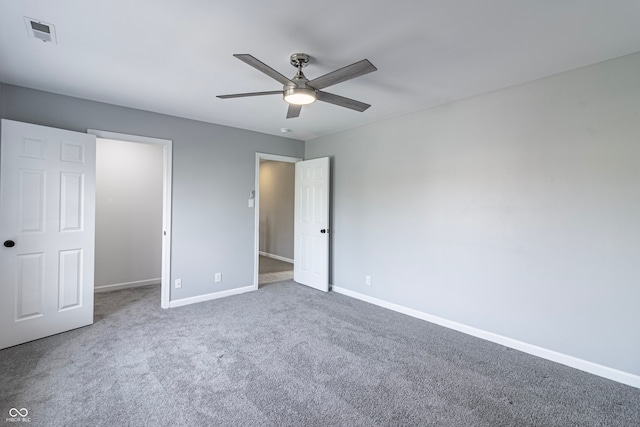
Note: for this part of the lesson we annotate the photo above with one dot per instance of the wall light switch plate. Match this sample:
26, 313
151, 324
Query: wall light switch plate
251, 203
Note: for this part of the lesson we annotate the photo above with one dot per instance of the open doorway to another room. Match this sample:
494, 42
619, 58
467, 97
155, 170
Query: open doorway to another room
133, 212
275, 196
128, 214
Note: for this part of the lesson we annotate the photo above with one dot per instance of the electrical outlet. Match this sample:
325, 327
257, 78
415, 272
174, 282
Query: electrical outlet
367, 280
178, 283
218, 277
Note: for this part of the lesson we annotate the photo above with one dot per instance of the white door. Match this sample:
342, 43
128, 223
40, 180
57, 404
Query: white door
311, 225
47, 215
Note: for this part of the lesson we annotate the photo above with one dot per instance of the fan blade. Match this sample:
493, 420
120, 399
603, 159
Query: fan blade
342, 101
240, 95
346, 73
261, 66
293, 111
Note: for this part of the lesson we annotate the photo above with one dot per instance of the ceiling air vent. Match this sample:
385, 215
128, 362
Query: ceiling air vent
41, 30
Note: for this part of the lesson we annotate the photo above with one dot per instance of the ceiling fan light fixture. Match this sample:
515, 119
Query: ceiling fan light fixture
299, 91
300, 96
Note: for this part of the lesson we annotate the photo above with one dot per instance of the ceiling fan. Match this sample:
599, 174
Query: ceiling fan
300, 91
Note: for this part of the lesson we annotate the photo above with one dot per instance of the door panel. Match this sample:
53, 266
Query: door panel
71, 196
311, 244
70, 280
29, 286
47, 207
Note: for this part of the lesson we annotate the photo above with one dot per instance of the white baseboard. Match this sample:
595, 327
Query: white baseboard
115, 287
208, 297
278, 257
573, 362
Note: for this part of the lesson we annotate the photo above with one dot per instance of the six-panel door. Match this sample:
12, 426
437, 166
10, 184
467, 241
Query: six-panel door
311, 244
47, 210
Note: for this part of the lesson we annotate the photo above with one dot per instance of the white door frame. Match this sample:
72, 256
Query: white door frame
167, 158
256, 242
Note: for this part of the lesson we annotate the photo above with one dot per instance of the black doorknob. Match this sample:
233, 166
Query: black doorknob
9, 243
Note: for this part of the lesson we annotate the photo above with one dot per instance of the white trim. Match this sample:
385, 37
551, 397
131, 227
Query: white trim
256, 220
564, 359
278, 257
167, 159
209, 297
278, 158
116, 286
126, 137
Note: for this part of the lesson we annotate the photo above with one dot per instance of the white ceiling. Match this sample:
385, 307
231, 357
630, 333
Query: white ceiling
174, 57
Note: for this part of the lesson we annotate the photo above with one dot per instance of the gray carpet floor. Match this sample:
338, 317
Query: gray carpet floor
287, 355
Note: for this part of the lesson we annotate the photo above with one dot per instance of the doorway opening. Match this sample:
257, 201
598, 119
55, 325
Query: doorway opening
133, 212
274, 218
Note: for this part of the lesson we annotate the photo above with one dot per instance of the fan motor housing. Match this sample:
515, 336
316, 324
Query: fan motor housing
297, 92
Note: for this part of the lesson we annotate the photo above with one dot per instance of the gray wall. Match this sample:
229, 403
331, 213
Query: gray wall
128, 212
2, 86
277, 191
516, 212
213, 172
